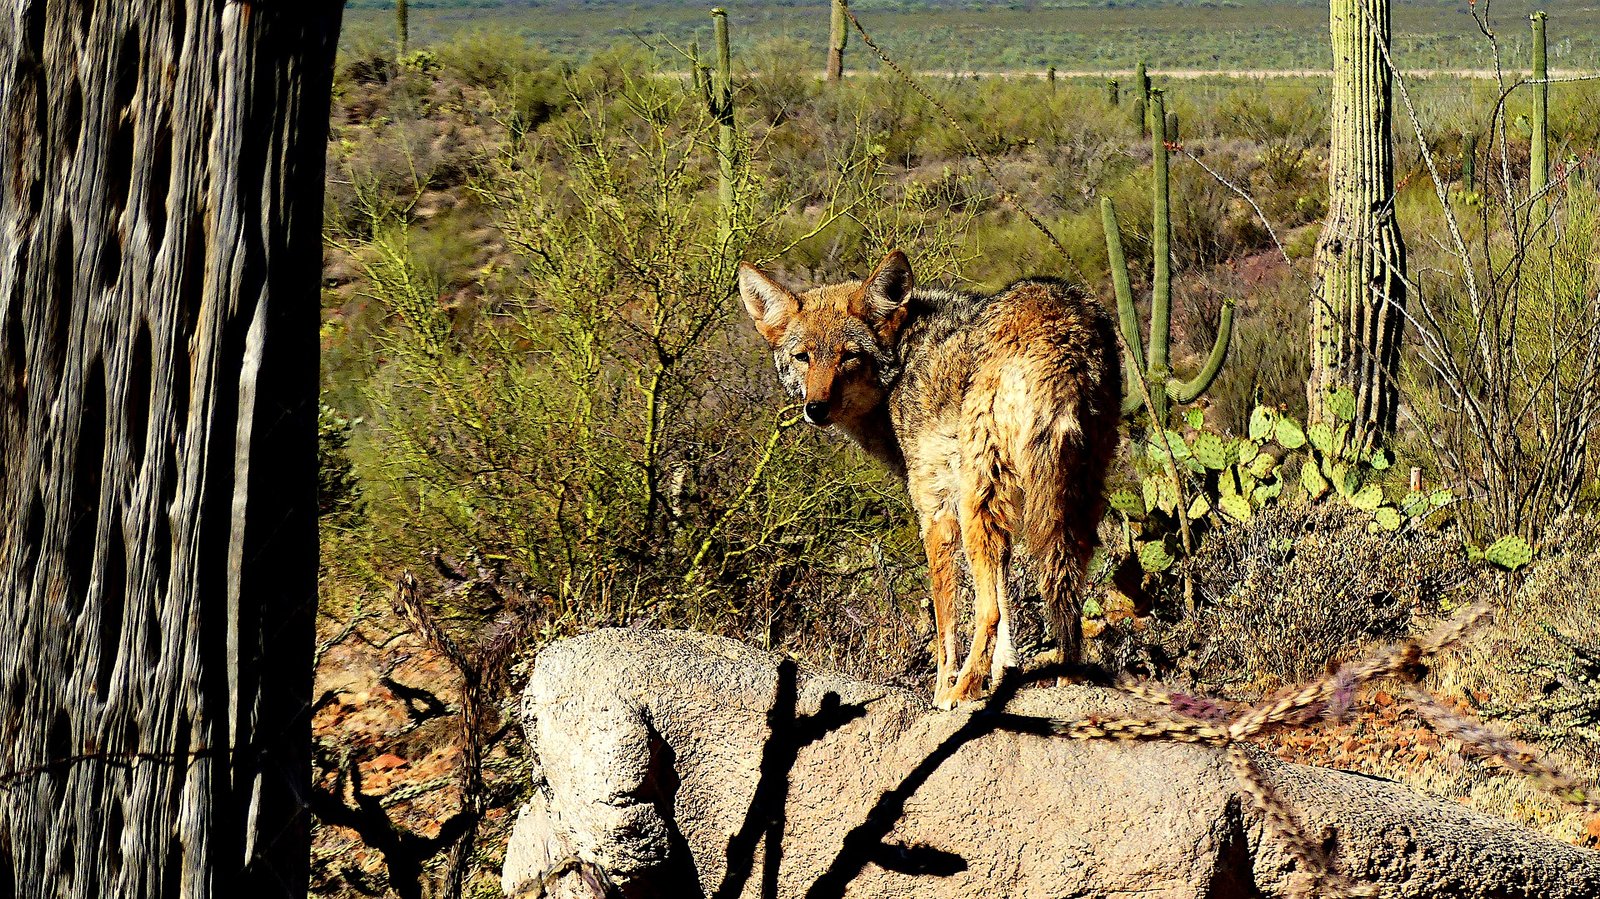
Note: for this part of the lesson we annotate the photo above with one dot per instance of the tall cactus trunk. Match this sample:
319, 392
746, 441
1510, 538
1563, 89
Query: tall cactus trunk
1539, 151
722, 96
402, 26
1161, 250
1358, 309
838, 37
162, 213
1141, 99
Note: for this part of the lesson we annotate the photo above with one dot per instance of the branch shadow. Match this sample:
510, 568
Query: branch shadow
404, 853
767, 816
865, 843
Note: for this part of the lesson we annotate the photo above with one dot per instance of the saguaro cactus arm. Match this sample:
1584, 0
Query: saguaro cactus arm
1161, 237
1186, 392
1164, 389
1127, 314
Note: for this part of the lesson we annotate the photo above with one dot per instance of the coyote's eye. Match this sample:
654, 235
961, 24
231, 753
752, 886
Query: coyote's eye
802, 357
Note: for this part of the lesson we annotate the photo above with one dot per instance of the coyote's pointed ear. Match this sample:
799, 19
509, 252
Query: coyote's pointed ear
885, 293
769, 304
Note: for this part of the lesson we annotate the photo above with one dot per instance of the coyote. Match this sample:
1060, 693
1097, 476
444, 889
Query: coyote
999, 412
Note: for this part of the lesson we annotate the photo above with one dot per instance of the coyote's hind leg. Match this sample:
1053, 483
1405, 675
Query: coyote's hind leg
986, 537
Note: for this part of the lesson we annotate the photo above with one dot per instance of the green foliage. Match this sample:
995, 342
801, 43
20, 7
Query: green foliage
601, 421
338, 491
1231, 479
1564, 710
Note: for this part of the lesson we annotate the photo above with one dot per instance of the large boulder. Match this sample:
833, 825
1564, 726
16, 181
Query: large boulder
681, 765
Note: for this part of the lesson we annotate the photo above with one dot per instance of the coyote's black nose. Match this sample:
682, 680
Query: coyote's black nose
817, 413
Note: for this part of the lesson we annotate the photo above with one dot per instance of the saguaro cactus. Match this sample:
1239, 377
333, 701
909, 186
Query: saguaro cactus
1359, 306
722, 111
699, 75
1141, 97
402, 26
1164, 389
1113, 91
838, 37
1539, 150
162, 211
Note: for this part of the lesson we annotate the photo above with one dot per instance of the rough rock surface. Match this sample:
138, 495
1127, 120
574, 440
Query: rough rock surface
686, 765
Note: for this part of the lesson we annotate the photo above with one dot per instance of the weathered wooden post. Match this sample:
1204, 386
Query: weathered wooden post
161, 180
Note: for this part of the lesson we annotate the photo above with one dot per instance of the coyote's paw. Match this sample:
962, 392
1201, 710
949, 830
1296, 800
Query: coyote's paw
966, 689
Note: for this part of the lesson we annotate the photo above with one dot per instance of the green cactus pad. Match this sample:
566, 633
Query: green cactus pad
1128, 503
1289, 434
1166, 494
1158, 453
1199, 508
1388, 518
1235, 507
1154, 556
1195, 418
1311, 478
1263, 465
1346, 479
1341, 441
1210, 451
1380, 460
1321, 437
1509, 552
1247, 451
1367, 498
1342, 403
1261, 423
1415, 503
1266, 493
1441, 497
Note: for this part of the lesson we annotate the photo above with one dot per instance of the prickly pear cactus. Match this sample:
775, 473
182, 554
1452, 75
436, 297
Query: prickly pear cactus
1509, 552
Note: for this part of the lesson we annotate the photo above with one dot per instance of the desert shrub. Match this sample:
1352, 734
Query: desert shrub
365, 59
785, 81
1266, 364
1539, 665
1297, 586
1503, 381
338, 491
489, 58
604, 423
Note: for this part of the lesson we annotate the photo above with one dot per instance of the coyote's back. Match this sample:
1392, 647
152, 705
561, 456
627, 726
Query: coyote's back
1000, 411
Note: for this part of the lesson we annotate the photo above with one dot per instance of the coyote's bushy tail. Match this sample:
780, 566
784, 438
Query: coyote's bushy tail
1065, 466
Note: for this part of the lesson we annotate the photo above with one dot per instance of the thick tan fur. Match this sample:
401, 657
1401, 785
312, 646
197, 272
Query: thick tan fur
1000, 412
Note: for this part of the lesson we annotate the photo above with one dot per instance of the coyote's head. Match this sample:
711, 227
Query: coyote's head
834, 345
